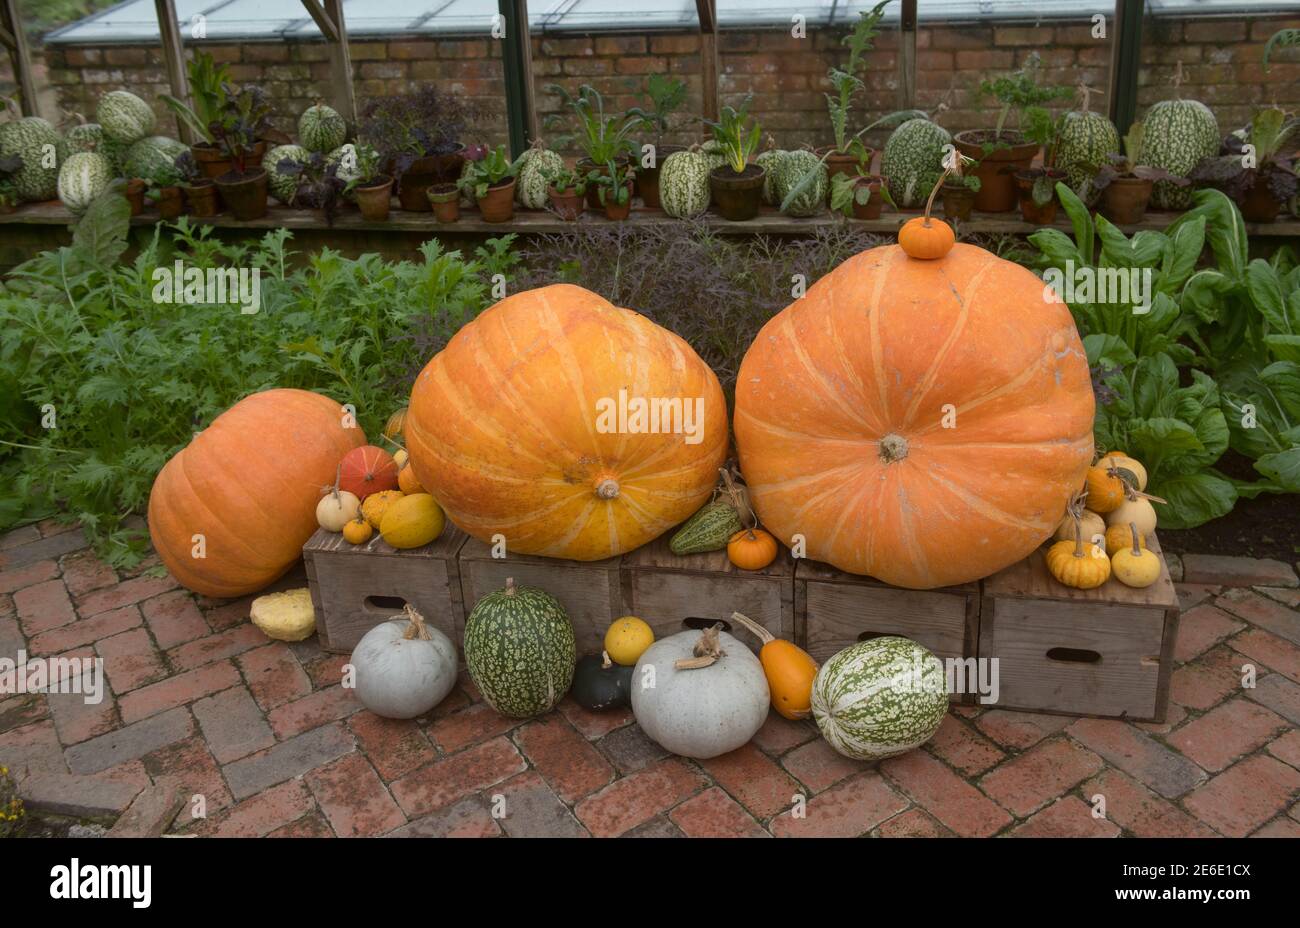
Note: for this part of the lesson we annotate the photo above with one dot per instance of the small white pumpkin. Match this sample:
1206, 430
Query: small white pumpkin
336, 509
699, 694
1137, 511
403, 667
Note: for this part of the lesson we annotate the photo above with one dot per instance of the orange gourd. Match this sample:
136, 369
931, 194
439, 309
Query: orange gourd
922, 422
1105, 488
751, 549
366, 470
248, 484
790, 670
926, 238
407, 482
357, 531
516, 427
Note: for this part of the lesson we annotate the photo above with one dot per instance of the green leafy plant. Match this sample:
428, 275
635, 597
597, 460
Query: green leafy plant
845, 80
1126, 164
738, 133
1020, 93
1237, 170
241, 121
667, 95
208, 87
565, 180
615, 181
494, 167
368, 168
602, 137
1283, 38
9, 166
888, 121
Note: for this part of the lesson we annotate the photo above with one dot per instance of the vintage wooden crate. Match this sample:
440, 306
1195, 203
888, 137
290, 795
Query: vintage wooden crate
665, 589
835, 609
588, 590
1105, 652
355, 587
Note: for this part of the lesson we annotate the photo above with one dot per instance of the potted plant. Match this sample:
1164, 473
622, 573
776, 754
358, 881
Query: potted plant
666, 95
1000, 152
209, 89
958, 195
134, 191
418, 137
319, 186
237, 129
602, 139
1260, 180
1125, 185
372, 188
9, 166
491, 182
737, 185
847, 152
861, 195
613, 189
444, 199
567, 191
200, 192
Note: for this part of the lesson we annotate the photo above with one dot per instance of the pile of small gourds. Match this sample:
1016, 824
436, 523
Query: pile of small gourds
727, 521
1114, 513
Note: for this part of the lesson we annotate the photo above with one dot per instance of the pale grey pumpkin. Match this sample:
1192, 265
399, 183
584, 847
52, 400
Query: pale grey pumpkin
403, 667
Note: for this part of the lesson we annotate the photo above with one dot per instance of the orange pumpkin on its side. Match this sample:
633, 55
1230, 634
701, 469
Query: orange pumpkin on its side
515, 428
248, 484
919, 421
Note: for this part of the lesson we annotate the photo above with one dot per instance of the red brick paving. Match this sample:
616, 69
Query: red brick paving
198, 700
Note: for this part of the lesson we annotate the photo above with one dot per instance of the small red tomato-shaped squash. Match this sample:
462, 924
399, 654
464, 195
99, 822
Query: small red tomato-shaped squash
533, 424
921, 422
248, 486
368, 469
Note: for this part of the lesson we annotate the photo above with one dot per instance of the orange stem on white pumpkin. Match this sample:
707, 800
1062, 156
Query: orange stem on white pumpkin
758, 631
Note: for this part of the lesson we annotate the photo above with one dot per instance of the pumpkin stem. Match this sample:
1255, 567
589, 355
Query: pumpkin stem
893, 448
510, 586
605, 662
758, 631
1137, 545
707, 650
338, 475
739, 499
1078, 538
607, 488
1132, 493
416, 630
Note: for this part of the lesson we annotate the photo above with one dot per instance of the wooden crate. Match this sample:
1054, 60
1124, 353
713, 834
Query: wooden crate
665, 589
355, 587
1106, 652
588, 590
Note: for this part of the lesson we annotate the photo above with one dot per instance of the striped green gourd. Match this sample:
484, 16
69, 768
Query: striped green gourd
85, 136
153, 159
684, 183
520, 650
321, 128
790, 171
913, 160
283, 186
1176, 136
37, 143
125, 117
83, 176
1086, 141
531, 186
879, 698
769, 161
716, 152
708, 530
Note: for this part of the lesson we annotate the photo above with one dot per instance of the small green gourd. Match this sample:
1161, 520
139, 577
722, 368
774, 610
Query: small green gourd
708, 529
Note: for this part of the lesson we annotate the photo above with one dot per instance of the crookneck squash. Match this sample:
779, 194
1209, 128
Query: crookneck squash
920, 421
535, 423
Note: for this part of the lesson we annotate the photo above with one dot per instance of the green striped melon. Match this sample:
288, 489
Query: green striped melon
1087, 140
37, 143
531, 187
86, 136
83, 176
716, 152
321, 128
283, 186
684, 184
708, 530
913, 160
520, 650
790, 171
1176, 136
769, 160
124, 116
880, 698
153, 160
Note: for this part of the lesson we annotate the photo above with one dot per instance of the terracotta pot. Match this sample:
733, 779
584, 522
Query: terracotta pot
840, 163
211, 161
135, 189
613, 209
875, 203
426, 172
170, 204
374, 201
996, 170
569, 205
201, 199
647, 179
1260, 205
498, 204
244, 194
586, 165
1039, 215
444, 199
1125, 199
957, 201
737, 196
254, 158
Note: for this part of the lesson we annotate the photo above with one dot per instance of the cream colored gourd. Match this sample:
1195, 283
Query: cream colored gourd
1135, 565
403, 667
1133, 465
336, 509
286, 616
1136, 510
1092, 524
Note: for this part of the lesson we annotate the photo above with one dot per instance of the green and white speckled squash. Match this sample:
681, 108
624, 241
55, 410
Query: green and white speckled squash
85, 136
83, 176
1087, 140
283, 186
345, 156
1176, 136
37, 143
715, 152
153, 159
531, 186
913, 160
769, 161
125, 117
321, 128
684, 183
520, 650
880, 698
791, 170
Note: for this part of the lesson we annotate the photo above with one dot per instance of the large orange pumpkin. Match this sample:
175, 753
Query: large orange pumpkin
248, 484
515, 429
922, 422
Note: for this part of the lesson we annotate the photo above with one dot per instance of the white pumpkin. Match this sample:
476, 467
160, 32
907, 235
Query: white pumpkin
701, 711
403, 667
1139, 511
336, 509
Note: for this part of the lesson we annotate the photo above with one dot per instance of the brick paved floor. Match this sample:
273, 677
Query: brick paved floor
202, 703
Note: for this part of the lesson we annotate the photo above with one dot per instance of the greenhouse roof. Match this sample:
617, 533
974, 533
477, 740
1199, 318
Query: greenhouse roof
225, 20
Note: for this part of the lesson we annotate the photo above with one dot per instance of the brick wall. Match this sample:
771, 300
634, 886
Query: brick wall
787, 76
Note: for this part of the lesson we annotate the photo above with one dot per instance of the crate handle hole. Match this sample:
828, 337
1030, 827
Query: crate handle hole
1073, 655
868, 636
699, 623
384, 603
